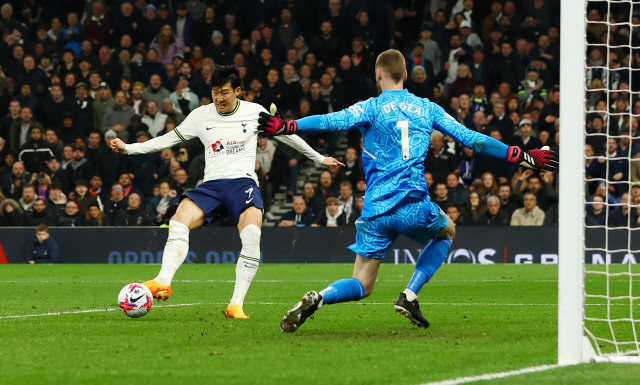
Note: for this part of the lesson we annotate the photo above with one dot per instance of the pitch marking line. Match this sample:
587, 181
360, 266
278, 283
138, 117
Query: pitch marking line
493, 376
93, 311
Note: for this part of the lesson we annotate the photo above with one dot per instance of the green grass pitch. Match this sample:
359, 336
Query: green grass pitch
484, 319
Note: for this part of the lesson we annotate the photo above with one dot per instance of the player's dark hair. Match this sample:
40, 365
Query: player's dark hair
225, 74
392, 63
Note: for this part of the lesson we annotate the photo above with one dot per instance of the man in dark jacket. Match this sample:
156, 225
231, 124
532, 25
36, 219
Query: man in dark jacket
495, 216
43, 248
134, 215
36, 152
82, 109
79, 168
71, 216
507, 202
39, 215
53, 106
300, 215
439, 161
116, 203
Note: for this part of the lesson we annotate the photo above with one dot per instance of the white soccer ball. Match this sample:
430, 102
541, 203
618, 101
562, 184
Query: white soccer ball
135, 300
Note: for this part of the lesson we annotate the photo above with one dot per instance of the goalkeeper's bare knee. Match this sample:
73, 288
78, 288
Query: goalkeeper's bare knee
449, 231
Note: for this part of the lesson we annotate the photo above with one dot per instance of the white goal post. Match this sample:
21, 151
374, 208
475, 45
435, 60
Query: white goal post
595, 323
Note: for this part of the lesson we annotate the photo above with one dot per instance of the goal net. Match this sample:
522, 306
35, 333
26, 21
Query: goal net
609, 298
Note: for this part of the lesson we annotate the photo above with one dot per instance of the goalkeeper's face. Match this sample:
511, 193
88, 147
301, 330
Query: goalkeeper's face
225, 98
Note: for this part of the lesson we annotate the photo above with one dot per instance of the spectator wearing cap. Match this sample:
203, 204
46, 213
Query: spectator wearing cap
155, 91
82, 108
164, 14
525, 141
183, 98
30, 74
109, 162
56, 200
531, 87
154, 119
468, 37
79, 168
143, 167
134, 215
43, 38
39, 215
97, 27
36, 152
19, 131
182, 25
82, 197
166, 44
118, 116
56, 173
53, 106
217, 49
103, 102
137, 100
149, 24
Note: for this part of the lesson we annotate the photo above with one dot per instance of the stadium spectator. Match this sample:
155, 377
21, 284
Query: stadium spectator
166, 44
95, 217
458, 194
353, 166
154, 119
134, 215
39, 215
623, 216
155, 91
13, 183
9, 119
36, 152
501, 121
419, 84
618, 169
28, 197
454, 213
313, 201
116, 203
98, 27
82, 197
53, 141
464, 82
43, 248
487, 186
300, 215
103, 101
137, 100
160, 203
79, 167
473, 211
495, 216
42, 187
332, 216
525, 140
183, 98
439, 161
442, 196
19, 131
11, 214
530, 214
118, 117
71, 216
347, 202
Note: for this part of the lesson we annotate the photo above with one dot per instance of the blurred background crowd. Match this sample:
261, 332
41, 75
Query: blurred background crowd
78, 74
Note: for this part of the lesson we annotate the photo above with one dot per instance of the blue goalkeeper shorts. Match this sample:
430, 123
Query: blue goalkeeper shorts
419, 220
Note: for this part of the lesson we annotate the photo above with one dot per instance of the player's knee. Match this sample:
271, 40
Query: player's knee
250, 234
449, 232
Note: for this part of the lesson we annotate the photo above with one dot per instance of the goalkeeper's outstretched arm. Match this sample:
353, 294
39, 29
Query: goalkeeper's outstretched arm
535, 159
167, 140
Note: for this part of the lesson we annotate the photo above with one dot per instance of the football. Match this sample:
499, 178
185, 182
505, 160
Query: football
135, 300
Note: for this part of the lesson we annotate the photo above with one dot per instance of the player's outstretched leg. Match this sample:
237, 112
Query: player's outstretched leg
428, 263
175, 252
246, 268
344, 290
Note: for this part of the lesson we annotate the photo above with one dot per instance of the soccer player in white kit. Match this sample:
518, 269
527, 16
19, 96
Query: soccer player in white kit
228, 128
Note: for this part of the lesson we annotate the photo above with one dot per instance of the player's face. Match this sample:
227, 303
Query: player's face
225, 98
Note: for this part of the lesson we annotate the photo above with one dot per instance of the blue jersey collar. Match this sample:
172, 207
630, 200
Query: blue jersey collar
402, 91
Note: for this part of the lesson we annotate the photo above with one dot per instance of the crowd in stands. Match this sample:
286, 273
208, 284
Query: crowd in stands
75, 75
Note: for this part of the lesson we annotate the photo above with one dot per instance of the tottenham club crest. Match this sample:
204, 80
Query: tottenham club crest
217, 146
244, 127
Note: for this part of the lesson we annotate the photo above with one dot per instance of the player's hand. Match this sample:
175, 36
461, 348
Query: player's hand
117, 145
273, 125
329, 161
542, 159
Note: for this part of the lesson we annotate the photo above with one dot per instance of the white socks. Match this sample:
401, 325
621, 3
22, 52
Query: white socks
248, 263
411, 296
175, 252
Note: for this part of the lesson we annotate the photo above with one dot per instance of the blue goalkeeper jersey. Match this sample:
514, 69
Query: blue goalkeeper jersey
396, 128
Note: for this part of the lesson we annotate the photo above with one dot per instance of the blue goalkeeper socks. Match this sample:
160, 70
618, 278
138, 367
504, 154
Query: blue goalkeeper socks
344, 290
429, 262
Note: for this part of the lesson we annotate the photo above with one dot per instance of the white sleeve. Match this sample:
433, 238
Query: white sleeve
301, 146
185, 131
167, 140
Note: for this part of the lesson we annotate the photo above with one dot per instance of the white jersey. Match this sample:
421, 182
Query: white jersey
230, 140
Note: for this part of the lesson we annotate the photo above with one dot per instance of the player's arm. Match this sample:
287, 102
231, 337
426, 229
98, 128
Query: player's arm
535, 159
296, 142
355, 116
182, 133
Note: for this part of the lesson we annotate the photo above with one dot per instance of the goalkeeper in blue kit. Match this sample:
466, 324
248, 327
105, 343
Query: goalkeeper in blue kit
396, 128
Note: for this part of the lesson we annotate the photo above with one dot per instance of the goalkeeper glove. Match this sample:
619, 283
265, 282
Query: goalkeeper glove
542, 159
273, 125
